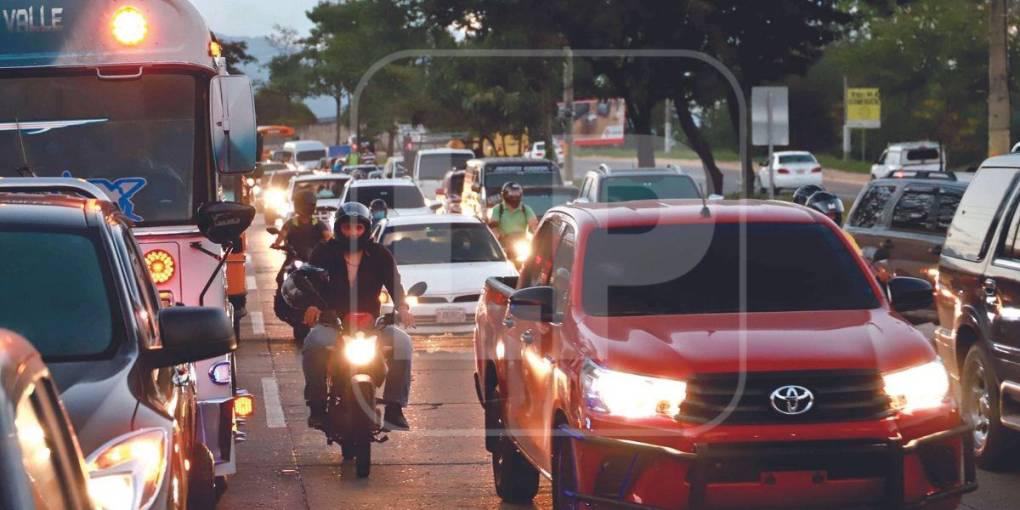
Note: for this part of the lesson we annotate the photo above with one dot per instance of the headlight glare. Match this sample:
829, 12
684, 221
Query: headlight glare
522, 250
139, 455
630, 395
359, 349
921, 387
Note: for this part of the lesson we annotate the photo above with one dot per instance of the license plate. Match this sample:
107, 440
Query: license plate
450, 316
801, 172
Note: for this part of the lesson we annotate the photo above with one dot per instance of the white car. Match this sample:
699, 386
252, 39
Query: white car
538, 151
305, 154
328, 189
394, 167
454, 255
402, 197
431, 165
792, 169
909, 156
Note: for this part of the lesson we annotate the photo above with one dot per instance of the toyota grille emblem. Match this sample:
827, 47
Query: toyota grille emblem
792, 400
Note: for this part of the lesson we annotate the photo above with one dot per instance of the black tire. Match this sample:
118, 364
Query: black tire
221, 487
564, 477
516, 479
994, 444
201, 479
363, 459
347, 451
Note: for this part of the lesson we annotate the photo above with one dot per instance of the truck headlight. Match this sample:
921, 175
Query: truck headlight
921, 387
128, 471
631, 395
359, 349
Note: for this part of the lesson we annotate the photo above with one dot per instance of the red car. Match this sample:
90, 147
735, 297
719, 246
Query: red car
733, 355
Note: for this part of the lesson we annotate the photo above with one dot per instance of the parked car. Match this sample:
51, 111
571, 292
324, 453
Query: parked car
639, 366
77, 286
305, 154
538, 151
909, 156
402, 197
450, 193
328, 189
907, 219
485, 177
792, 169
624, 184
453, 255
430, 165
43, 463
977, 299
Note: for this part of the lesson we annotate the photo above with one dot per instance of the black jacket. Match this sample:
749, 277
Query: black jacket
378, 270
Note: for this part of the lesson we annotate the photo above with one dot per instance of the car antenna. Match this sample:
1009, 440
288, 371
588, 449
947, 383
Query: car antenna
705, 212
25, 170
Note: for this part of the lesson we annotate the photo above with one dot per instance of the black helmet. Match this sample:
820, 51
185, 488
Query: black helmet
803, 193
827, 204
352, 212
512, 193
304, 203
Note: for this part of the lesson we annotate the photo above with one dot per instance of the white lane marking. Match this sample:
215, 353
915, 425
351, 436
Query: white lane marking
271, 397
258, 326
251, 283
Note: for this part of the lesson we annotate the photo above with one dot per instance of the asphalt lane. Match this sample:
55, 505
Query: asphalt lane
441, 463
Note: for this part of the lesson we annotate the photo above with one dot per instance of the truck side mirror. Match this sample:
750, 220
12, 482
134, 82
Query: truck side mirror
232, 124
532, 304
909, 294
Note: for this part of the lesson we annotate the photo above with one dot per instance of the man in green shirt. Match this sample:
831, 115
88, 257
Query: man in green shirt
512, 216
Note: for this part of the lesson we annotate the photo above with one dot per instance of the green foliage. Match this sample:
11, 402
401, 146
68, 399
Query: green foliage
236, 55
275, 107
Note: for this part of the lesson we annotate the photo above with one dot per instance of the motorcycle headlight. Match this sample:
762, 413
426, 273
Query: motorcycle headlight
276, 199
630, 395
359, 349
128, 471
921, 387
522, 250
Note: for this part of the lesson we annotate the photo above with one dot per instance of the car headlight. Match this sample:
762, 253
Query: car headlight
411, 301
522, 250
921, 387
128, 471
359, 349
631, 395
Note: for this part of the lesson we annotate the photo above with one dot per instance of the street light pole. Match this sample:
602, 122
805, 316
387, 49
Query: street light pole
998, 80
568, 103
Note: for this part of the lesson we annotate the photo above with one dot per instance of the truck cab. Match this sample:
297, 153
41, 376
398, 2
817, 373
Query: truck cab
485, 177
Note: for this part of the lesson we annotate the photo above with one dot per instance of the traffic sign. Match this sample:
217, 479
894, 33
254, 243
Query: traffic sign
863, 108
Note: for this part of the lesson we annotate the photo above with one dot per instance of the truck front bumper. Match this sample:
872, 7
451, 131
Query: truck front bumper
932, 471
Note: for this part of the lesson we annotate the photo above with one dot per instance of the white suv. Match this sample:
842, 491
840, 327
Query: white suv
909, 156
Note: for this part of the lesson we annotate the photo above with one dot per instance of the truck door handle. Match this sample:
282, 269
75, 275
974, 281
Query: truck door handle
508, 322
989, 287
528, 337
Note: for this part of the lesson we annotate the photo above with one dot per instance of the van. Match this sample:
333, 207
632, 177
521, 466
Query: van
431, 165
305, 154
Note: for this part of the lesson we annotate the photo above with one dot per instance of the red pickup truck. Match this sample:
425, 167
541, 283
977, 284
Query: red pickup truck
732, 355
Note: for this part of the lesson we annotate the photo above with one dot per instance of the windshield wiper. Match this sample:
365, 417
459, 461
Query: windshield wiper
25, 170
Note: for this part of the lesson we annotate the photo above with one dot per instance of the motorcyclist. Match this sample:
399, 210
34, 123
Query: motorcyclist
511, 216
358, 271
379, 210
827, 204
303, 231
803, 193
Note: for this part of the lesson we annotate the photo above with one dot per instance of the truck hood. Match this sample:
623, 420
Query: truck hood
681, 346
454, 279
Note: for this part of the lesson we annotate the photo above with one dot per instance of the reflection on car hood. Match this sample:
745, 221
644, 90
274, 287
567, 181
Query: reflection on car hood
453, 279
97, 398
416, 211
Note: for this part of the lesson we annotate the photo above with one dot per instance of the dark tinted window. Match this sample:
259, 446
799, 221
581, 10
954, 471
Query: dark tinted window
927, 153
396, 197
797, 158
525, 175
979, 210
57, 293
325, 188
648, 187
869, 211
434, 166
441, 243
313, 155
541, 200
914, 210
949, 200
690, 269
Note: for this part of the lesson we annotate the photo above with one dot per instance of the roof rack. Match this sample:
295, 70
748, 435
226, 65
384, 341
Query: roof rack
53, 185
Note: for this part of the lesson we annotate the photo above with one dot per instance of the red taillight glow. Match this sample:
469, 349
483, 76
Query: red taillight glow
129, 26
782, 171
816, 170
161, 265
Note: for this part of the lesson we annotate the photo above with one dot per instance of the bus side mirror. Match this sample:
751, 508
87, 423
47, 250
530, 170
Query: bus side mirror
232, 124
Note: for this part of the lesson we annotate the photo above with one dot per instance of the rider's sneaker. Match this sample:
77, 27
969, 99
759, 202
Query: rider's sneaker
394, 418
317, 419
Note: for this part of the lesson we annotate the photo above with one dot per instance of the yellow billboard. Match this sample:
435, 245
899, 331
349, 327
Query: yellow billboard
863, 108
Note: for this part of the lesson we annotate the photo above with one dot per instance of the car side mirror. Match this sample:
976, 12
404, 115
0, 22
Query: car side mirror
879, 254
763, 163
273, 230
224, 222
417, 289
909, 294
191, 333
435, 206
533, 304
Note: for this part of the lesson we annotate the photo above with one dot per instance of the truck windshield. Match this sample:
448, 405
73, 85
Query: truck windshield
694, 269
434, 166
57, 294
525, 175
441, 243
648, 187
135, 138
396, 197
314, 155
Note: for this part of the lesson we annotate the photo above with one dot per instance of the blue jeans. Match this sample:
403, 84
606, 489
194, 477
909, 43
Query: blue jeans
319, 345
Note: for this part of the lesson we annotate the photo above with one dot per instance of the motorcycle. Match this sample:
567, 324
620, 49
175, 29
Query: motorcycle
517, 247
294, 318
356, 369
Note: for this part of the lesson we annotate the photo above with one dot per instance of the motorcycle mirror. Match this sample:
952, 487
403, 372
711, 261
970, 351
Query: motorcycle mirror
417, 289
273, 230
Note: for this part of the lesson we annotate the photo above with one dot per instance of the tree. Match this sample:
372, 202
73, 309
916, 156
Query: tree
275, 107
236, 55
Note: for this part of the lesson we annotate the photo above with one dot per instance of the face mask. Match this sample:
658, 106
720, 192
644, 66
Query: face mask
513, 202
378, 215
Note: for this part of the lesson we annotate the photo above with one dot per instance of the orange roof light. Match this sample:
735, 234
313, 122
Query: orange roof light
215, 49
161, 265
129, 26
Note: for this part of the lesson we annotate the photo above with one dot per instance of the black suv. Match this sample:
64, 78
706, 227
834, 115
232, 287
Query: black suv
76, 285
906, 218
977, 298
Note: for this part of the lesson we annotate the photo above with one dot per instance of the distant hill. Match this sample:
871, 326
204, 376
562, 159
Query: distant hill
263, 51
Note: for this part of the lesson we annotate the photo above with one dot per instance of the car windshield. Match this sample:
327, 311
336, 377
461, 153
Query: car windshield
693, 269
525, 175
434, 166
927, 153
282, 179
541, 200
796, 158
648, 187
57, 294
323, 188
396, 197
442, 243
135, 138
314, 155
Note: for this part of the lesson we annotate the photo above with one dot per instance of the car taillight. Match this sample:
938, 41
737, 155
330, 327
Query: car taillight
161, 265
816, 170
782, 171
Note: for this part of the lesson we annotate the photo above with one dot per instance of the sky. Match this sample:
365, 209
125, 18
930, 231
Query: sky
254, 18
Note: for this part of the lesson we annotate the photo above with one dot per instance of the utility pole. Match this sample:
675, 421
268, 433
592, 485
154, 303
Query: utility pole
846, 127
668, 127
998, 80
568, 103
